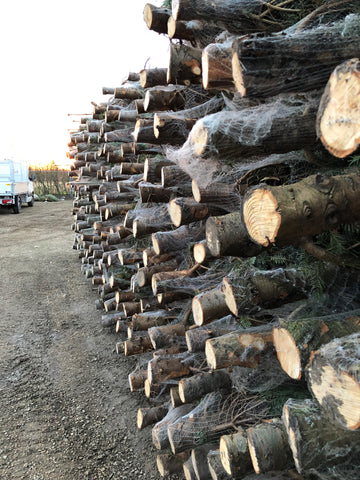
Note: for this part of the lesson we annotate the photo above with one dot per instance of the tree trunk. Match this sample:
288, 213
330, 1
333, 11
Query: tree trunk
195, 387
285, 214
209, 305
314, 441
235, 455
243, 348
156, 18
268, 447
295, 340
152, 77
184, 65
199, 461
280, 126
144, 321
338, 120
334, 380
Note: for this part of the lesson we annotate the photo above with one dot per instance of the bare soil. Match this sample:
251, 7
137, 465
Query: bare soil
66, 411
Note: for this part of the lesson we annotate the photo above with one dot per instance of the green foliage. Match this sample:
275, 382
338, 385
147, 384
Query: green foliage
354, 161
166, 4
275, 399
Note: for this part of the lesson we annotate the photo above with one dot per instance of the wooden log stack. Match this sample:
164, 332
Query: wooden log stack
217, 214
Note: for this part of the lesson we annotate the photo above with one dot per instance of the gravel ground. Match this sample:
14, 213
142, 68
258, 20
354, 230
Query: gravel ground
66, 411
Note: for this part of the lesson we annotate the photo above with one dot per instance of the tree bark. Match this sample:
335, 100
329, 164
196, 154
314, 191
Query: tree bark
167, 367
295, 340
165, 98
150, 415
137, 346
217, 68
199, 460
172, 131
167, 335
185, 210
160, 437
172, 175
144, 321
196, 337
285, 214
338, 121
168, 463
188, 470
144, 274
128, 93
334, 380
216, 469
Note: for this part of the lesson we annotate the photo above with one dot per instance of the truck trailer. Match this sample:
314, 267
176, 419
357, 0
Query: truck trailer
16, 188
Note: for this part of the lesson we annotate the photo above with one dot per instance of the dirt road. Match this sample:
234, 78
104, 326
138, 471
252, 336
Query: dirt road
66, 412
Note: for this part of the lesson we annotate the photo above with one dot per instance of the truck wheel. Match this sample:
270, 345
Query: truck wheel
17, 206
31, 203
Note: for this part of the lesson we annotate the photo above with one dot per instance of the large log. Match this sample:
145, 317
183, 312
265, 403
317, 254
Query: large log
152, 77
199, 460
285, 214
172, 131
338, 122
334, 380
209, 305
216, 469
160, 98
235, 455
295, 339
314, 441
297, 60
282, 125
217, 68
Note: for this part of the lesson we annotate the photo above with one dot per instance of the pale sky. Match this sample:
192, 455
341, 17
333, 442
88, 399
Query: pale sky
56, 55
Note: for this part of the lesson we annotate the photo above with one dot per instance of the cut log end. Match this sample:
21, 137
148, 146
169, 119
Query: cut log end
339, 127
287, 352
345, 390
237, 75
261, 217
199, 138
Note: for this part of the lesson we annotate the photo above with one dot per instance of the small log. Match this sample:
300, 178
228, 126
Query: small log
216, 193
195, 387
166, 335
295, 340
137, 346
314, 441
216, 67
333, 379
137, 378
188, 470
128, 93
216, 469
128, 115
209, 305
152, 77
184, 65
201, 252
145, 274
199, 460
146, 320
172, 131
196, 337
156, 18
159, 432
153, 168
167, 463
227, 235
165, 368
185, 210
150, 415
278, 214
165, 98
139, 105
155, 390
243, 348
167, 242
158, 194
268, 288
144, 131
235, 455
174, 397
172, 175
268, 447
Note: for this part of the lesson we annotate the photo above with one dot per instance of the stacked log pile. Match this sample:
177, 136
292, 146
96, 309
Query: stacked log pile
217, 213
